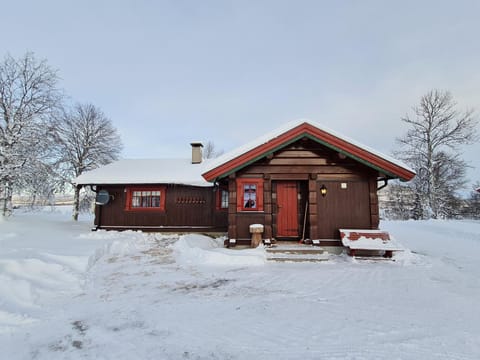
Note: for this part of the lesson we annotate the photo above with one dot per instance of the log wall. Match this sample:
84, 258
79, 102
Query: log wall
351, 200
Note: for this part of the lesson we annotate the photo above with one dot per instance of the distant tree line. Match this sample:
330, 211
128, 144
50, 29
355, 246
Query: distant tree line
432, 147
400, 202
45, 141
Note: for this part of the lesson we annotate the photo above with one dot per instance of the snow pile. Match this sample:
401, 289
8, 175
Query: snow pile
368, 243
202, 250
26, 285
119, 243
44, 258
23, 283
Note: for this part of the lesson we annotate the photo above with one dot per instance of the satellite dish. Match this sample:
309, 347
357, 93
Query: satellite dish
102, 197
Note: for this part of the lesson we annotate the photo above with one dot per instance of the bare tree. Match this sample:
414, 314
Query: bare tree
39, 183
432, 147
397, 201
210, 151
28, 94
86, 139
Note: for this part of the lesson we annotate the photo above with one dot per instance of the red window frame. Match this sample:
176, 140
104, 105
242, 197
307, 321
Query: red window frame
242, 198
221, 191
130, 195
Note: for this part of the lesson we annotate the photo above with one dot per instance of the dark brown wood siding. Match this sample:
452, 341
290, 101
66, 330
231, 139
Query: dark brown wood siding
346, 205
186, 205
187, 208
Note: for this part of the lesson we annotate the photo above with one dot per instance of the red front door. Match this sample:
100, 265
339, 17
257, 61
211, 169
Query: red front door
287, 209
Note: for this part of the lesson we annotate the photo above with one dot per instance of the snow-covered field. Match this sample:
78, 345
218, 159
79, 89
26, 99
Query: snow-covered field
69, 293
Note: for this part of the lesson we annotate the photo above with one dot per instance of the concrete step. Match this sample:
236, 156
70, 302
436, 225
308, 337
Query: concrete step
295, 250
296, 253
290, 259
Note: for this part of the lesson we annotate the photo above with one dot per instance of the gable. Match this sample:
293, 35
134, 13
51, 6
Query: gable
304, 157
281, 138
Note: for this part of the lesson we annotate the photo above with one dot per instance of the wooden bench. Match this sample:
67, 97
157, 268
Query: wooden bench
367, 240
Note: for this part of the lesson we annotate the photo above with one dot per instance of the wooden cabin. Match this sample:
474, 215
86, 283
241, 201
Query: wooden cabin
300, 181
165, 195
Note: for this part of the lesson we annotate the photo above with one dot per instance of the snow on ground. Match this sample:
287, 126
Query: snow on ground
44, 257
68, 293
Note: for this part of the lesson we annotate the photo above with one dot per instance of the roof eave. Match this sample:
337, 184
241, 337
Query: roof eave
307, 130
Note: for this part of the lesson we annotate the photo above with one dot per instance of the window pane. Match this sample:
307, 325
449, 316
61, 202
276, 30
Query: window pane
135, 201
250, 196
156, 200
224, 202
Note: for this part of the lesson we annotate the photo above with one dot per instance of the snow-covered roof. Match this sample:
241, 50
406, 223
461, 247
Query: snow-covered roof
146, 171
182, 171
267, 138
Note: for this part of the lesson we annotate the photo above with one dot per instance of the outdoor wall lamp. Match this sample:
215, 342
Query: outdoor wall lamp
323, 190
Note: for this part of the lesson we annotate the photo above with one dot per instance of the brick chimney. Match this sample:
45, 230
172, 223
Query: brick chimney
196, 152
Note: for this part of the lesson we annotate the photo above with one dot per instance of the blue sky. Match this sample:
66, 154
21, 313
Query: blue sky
171, 72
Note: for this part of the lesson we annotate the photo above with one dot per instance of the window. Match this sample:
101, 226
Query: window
222, 199
145, 199
249, 195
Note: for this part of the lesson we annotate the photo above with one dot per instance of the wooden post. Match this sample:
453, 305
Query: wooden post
374, 211
232, 208
267, 207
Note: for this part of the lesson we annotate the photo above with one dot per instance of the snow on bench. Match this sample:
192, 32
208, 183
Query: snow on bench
370, 240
